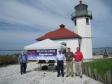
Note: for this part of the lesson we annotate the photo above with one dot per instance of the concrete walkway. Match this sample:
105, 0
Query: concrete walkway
11, 75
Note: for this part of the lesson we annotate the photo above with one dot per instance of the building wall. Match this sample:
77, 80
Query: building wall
84, 30
86, 48
71, 43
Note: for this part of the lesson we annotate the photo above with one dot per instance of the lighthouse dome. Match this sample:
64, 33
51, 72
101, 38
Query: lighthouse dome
81, 10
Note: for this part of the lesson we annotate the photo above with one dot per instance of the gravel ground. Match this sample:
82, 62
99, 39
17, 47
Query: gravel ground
11, 75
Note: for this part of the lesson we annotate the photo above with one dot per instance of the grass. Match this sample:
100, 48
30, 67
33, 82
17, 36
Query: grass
8, 59
101, 65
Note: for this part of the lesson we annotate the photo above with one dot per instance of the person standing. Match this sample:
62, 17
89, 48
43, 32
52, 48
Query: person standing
78, 56
60, 64
69, 62
23, 62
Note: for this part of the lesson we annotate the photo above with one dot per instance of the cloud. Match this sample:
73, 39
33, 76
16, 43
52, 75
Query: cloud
16, 12
25, 20
44, 12
14, 39
100, 11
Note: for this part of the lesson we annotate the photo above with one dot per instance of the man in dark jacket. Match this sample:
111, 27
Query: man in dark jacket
69, 62
23, 62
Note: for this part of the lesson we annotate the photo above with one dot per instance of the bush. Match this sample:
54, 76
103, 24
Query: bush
8, 59
100, 70
101, 65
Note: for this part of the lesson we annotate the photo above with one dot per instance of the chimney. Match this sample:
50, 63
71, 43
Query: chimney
62, 26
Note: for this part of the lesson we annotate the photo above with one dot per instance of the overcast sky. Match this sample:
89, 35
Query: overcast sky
22, 21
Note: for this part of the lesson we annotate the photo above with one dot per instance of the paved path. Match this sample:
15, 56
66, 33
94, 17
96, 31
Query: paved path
11, 75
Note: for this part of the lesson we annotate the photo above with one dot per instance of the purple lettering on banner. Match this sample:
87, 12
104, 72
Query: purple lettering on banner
32, 52
47, 52
41, 54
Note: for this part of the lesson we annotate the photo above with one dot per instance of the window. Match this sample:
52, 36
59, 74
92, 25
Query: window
87, 21
75, 22
64, 43
64, 49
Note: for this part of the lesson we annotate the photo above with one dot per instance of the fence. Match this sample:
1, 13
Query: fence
106, 78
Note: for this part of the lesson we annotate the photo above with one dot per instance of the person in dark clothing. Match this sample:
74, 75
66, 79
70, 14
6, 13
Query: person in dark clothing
60, 64
23, 62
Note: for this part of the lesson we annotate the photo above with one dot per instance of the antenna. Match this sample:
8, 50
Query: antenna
80, 1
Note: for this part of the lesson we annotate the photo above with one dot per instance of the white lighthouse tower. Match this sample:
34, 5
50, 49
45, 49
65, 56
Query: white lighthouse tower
82, 19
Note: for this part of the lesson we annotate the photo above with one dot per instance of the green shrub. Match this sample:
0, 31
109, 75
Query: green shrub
8, 59
101, 65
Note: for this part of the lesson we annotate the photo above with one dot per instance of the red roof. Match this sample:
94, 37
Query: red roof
61, 33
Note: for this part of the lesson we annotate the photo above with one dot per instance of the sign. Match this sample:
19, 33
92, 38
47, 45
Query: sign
47, 52
44, 54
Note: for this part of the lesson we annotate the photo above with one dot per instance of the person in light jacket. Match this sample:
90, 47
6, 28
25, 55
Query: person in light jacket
23, 62
60, 64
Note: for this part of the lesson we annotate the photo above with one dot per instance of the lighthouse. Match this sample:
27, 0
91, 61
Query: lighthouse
82, 19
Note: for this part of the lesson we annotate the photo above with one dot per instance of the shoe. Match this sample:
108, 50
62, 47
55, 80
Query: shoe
66, 75
76, 74
58, 75
81, 76
72, 75
62, 75
21, 73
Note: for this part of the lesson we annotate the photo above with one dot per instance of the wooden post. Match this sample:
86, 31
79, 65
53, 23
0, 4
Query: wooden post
89, 71
95, 74
109, 77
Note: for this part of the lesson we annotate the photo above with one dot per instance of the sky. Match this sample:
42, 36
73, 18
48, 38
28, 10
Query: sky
22, 21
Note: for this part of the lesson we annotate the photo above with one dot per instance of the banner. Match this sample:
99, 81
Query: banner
44, 54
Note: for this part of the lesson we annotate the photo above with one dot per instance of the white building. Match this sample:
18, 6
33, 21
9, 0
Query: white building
81, 38
63, 35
